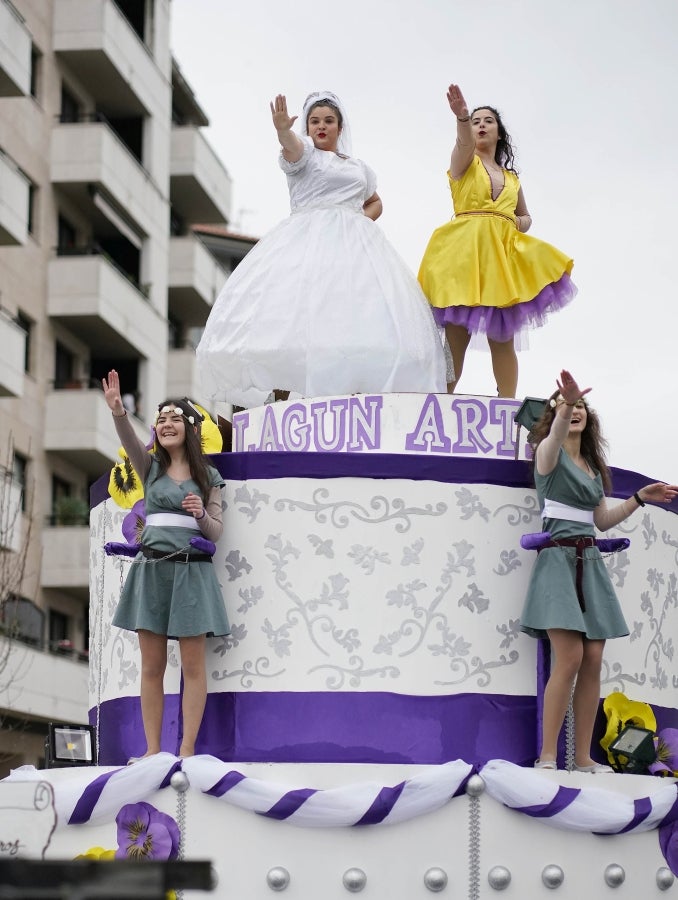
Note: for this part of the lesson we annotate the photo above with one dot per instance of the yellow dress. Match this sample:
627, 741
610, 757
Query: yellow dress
480, 272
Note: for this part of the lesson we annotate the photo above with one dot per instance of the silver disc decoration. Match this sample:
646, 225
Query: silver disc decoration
278, 878
665, 878
552, 876
499, 878
435, 879
614, 875
354, 880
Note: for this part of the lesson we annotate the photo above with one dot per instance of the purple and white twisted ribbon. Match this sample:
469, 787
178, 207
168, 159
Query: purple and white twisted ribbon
590, 809
96, 795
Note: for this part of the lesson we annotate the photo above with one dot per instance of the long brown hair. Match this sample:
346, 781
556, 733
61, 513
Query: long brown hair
196, 461
593, 444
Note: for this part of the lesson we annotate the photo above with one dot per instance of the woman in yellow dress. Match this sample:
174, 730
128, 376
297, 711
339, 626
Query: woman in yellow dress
481, 273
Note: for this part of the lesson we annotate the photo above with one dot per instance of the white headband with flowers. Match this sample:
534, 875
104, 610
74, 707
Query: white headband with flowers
173, 410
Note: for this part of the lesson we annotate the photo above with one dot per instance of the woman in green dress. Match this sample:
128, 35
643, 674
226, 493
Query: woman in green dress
171, 590
570, 597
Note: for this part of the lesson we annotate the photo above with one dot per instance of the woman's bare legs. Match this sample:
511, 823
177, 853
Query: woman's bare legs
504, 366
586, 699
195, 690
153, 649
567, 651
458, 338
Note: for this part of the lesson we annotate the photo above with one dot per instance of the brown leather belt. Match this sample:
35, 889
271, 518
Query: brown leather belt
580, 544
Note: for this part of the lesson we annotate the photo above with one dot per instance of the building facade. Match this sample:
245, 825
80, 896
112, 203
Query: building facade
104, 171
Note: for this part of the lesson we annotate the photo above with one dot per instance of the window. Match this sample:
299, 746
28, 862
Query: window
66, 235
36, 71
135, 13
58, 630
64, 368
23, 620
32, 217
26, 325
20, 475
70, 108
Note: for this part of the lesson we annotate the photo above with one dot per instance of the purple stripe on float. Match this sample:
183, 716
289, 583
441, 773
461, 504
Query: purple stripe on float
289, 803
413, 467
224, 785
382, 806
88, 799
642, 809
342, 727
561, 801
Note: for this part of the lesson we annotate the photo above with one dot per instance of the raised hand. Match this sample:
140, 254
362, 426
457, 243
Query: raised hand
456, 100
282, 121
658, 492
111, 386
569, 389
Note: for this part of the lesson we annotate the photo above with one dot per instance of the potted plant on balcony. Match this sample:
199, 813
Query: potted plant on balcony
70, 511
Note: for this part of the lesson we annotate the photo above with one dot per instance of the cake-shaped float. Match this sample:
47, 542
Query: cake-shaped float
375, 675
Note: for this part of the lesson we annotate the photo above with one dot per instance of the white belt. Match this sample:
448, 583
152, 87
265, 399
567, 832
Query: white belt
174, 520
555, 510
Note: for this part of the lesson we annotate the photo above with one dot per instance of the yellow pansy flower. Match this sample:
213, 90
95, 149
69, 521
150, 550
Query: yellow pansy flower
621, 711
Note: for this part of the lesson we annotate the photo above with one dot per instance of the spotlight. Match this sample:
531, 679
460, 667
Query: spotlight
69, 745
633, 750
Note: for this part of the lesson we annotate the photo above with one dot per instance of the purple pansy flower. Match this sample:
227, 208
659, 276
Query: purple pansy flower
133, 523
146, 833
667, 753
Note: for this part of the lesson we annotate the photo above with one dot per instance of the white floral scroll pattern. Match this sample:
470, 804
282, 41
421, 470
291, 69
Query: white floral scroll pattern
414, 587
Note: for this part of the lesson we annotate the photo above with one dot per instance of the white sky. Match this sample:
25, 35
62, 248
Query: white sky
587, 88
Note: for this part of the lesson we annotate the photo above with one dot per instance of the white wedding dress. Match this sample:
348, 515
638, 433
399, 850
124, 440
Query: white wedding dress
322, 304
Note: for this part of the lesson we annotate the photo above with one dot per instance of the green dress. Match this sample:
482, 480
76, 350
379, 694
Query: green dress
174, 598
552, 594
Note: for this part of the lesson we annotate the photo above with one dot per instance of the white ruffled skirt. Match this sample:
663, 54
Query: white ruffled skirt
322, 305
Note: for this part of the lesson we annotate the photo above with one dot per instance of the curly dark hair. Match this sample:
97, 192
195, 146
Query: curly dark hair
332, 106
197, 464
504, 155
593, 444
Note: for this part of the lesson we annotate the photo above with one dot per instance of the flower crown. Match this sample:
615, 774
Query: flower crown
190, 416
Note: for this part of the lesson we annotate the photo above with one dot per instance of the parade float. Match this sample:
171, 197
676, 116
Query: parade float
372, 719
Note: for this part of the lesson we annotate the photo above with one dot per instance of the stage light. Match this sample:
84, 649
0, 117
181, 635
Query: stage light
69, 745
633, 750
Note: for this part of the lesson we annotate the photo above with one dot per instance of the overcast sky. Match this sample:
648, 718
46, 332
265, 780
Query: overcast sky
587, 88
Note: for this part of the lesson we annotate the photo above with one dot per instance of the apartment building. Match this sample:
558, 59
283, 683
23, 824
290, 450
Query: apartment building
104, 171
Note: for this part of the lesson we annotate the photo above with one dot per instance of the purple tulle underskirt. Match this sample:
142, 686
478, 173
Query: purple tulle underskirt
503, 323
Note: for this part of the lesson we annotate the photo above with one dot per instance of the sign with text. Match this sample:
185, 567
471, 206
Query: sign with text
440, 424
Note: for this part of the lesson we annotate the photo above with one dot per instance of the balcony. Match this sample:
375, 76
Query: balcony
14, 188
195, 279
86, 156
182, 376
99, 304
65, 558
15, 53
45, 685
89, 441
200, 186
13, 343
99, 45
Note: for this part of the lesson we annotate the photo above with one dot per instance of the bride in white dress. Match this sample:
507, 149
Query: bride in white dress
322, 304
